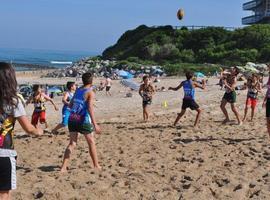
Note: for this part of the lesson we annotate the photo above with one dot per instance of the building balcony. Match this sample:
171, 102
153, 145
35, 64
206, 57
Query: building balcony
251, 4
259, 18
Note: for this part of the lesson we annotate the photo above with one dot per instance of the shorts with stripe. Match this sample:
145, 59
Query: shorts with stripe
7, 173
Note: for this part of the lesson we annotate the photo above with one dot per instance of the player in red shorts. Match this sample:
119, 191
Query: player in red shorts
38, 99
254, 88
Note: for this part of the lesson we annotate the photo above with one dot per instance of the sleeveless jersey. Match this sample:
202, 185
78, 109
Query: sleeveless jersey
70, 96
189, 91
79, 110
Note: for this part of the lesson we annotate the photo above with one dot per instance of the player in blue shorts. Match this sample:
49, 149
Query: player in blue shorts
71, 88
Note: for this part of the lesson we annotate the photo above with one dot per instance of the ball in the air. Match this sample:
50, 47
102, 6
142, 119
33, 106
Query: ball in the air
180, 14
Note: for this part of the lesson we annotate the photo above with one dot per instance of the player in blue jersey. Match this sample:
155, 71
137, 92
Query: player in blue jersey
82, 120
189, 97
71, 88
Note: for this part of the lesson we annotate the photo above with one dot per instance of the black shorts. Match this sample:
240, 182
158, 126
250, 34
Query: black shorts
108, 88
189, 103
230, 97
268, 108
7, 173
147, 102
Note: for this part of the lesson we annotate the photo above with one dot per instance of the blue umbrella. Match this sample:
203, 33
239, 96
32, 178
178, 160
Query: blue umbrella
124, 74
199, 74
55, 90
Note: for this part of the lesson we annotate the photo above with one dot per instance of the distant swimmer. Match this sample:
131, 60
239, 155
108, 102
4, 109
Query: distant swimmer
38, 99
82, 120
254, 87
11, 110
146, 91
68, 95
189, 97
229, 82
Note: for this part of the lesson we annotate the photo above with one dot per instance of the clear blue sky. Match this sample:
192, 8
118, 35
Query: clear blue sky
92, 25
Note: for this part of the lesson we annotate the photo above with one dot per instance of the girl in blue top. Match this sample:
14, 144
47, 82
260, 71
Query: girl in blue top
189, 97
82, 120
71, 87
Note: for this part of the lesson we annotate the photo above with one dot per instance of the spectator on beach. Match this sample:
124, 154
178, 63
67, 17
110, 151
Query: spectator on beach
108, 85
11, 110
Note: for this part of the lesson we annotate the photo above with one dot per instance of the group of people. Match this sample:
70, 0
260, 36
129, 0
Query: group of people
228, 80
78, 113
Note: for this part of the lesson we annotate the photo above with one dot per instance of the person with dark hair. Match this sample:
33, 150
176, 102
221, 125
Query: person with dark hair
146, 91
39, 98
82, 120
11, 109
254, 87
230, 95
189, 97
68, 95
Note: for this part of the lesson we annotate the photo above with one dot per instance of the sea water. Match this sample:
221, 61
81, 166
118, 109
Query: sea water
54, 58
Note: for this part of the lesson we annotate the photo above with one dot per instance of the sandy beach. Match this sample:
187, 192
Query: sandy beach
152, 160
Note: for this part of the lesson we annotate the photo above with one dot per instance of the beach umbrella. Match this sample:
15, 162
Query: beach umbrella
55, 90
131, 84
124, 74
199, 75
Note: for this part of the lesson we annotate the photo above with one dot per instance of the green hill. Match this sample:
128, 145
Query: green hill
168, 46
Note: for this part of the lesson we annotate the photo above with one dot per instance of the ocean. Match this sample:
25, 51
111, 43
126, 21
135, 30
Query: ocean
25, 59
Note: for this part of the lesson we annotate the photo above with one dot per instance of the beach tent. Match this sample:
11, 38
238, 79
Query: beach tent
124, 74
199, 75
131, 84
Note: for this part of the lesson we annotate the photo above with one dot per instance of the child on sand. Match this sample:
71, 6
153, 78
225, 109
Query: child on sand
146, 91
82, 120
11, 109
230, 95
68, 95
39, 98
189, 97
254, 88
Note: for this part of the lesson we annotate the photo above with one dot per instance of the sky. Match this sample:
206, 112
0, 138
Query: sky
93, 25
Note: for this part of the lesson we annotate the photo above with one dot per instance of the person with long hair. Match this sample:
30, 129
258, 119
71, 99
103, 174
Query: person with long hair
38, 99
11, 110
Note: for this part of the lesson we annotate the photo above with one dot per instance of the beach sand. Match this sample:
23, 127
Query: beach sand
152, 160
